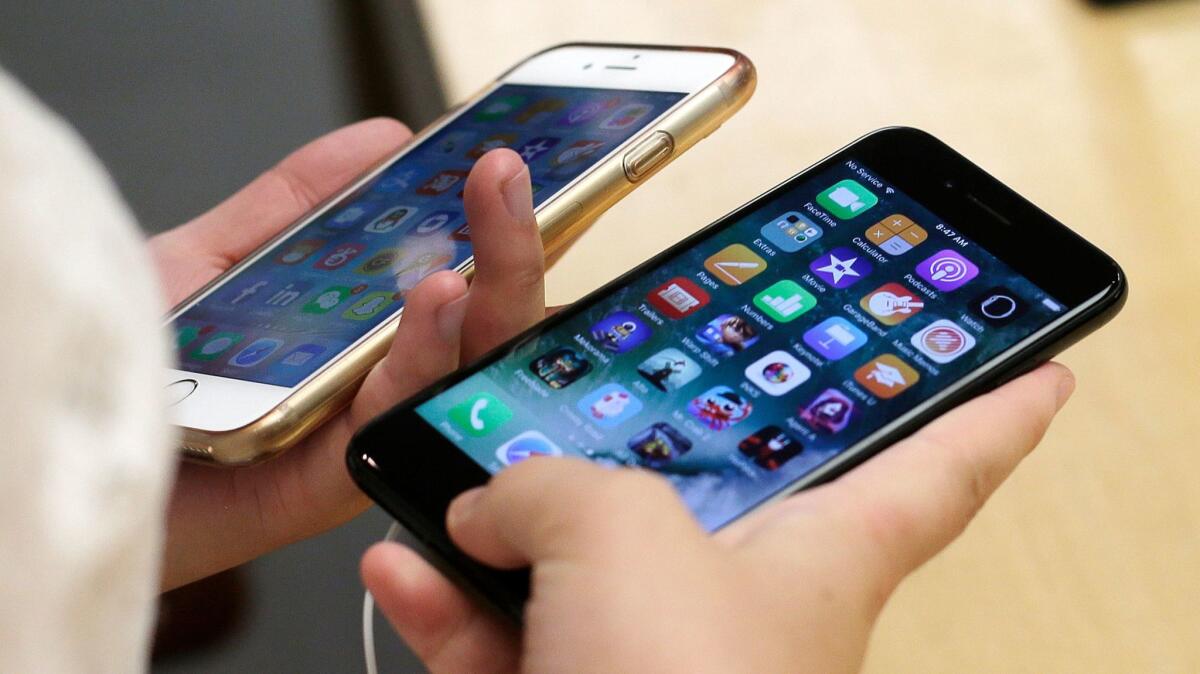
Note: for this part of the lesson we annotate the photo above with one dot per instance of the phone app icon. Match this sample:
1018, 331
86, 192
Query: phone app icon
677, 298
492, 142
379, 262
846, 199
777, 373
999, 306
770, 447
727, 335
896, 234
287, 294
560, 367
892, 304
720, 407
626, 116
300, 251
390, 220
538, 111
396, 180
370, 305
498, 108
830, 412
886, 376
669, 370
480, 414
258, 351
327, 300
785, 301
537, 147
835, 338
609, 405
659, 444
735, 264
244, 291
216, 345
791, 231
435, 222
339, 256
441, 182
586, 111
526, 445
345, 219
451, 143
947, 270
943, 341
579, 151
301, 355
842, 267
619, 332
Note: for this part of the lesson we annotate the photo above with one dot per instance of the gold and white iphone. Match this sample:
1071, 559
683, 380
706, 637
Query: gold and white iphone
278, 344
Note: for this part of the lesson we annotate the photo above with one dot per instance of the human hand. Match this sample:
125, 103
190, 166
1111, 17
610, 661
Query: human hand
219, 518
624, 580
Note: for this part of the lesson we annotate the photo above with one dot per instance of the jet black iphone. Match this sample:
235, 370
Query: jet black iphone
769, 352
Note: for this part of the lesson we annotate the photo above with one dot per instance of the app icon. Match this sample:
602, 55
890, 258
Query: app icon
619, 332
327, 300
346, 218
659, 444
215, 346
943, 341
302, 354
727, 334
185, 335
886, 376
339, 256
891, 303
835, 338
999, 306
770, 447
777, 373
451, 143
525, 445
298, 252
462, 233
719, 407
537, 147
258, 351
287, 294
539, 110
397, 180
585, 111
896, 234
785, 301
842, 267
480, 414
678, 298
609, 405
829, 412
579, 151
370, 305
245, 291
498, 108
669, 370
441, 182
947, 270
435, 222
847, 199
735, 264
626, 116
791, 231
379, 262
492, 142
560, 368
390, 220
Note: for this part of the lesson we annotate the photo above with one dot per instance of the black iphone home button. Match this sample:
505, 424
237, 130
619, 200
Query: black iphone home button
178, 391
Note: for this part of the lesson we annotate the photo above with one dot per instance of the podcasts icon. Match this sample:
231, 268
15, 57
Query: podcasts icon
946, 270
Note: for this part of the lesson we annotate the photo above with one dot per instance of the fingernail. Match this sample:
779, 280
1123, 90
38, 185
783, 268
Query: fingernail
1066, 386
462, 507
518, 198
450, 319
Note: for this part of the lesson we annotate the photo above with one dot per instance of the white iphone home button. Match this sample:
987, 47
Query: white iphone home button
178, 391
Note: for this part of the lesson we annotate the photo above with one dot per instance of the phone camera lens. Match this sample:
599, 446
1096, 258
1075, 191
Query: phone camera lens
950, 184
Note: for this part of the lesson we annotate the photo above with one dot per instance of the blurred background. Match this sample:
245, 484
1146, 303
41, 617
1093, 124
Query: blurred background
1088, 560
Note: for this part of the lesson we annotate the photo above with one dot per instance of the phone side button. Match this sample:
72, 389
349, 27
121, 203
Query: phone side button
648, 154
178, 391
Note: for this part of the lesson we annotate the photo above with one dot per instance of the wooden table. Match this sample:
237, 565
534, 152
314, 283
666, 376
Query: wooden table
1089, 559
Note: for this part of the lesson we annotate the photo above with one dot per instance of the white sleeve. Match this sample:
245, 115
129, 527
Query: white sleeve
85, 452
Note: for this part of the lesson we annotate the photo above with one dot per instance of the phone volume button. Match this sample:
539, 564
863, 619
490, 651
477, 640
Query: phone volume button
648, 155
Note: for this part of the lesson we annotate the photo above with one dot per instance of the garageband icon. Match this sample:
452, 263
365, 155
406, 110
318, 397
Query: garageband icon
892, 304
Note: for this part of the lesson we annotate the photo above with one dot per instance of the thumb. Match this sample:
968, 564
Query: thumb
557, 508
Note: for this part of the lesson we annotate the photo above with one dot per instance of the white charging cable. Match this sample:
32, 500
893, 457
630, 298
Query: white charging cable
368, 623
